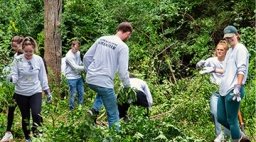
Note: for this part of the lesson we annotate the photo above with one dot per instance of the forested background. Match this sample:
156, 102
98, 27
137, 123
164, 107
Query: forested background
170, 36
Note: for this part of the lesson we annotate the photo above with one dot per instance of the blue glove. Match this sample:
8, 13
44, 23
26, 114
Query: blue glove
236, 92
207, 70
200, 63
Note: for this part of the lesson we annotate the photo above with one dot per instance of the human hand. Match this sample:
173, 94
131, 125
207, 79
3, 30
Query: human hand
200, 63
236, 92
126, 95
207, 70
49, 98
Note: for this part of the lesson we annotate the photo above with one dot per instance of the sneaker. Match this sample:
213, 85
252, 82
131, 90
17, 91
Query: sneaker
244, 139
28, 140
93, 113
219, 138
7, 137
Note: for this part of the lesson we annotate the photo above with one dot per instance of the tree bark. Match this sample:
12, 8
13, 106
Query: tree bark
52, 42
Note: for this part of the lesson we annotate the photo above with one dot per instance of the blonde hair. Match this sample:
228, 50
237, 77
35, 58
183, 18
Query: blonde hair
221, 43
30, 41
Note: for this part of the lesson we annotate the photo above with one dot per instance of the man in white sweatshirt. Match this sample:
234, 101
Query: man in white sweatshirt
108, 55
73, 71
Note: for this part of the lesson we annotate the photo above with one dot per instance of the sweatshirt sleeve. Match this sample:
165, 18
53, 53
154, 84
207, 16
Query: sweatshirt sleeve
148, 94
241, 61
123, 61
43, 75
88, 57
70, 61
14, 68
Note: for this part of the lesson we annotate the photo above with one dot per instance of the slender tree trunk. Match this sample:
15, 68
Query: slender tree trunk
52, 42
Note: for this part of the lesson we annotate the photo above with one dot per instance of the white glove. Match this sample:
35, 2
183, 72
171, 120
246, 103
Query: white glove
236, 92
200, 63
207, 70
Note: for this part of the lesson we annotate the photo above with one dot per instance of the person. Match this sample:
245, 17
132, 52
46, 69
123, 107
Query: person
143, 95
214, 66
30, 79
108, 55
143, 98
73, 70
232, 84
16, 47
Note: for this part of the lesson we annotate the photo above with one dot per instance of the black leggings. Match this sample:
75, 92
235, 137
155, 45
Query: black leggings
10, 115
27, 103
141, 101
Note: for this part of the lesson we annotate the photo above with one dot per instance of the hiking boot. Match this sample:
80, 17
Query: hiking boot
93, 113
7, 137
219, 138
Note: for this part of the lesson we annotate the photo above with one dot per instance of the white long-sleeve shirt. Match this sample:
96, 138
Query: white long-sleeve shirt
29, 76
214, 62
73, 65
63, 65
143, 87
108, 55
236, 62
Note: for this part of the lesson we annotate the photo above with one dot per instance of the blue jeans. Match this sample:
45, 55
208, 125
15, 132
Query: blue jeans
76, 85
213, 106
108, 98
228, 113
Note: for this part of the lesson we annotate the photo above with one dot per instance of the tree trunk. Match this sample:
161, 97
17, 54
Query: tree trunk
52, 42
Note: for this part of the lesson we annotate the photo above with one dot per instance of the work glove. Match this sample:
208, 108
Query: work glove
207, 70
49, 98
200, 64
126, 95
236, 91
49, 95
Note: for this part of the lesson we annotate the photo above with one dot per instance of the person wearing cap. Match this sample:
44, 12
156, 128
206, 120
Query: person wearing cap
108, 55
214, 66
232, 83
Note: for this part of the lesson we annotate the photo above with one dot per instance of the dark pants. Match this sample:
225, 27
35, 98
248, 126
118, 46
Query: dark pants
27, 103
227, 113
10, 115
141, 101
